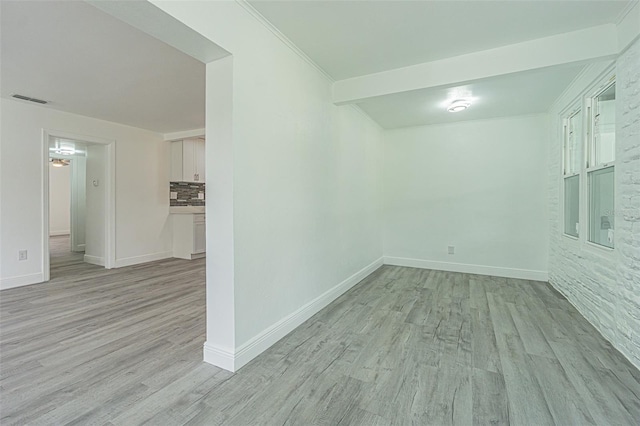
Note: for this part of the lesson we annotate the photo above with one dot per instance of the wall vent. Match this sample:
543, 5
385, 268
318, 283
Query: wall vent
27, 98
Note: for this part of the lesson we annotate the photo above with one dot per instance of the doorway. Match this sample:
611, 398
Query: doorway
78, 200
67, 204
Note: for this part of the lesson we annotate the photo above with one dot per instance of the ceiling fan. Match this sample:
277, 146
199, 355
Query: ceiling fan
59, 162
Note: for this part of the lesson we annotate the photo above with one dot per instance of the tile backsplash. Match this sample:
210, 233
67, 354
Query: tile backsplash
186, 194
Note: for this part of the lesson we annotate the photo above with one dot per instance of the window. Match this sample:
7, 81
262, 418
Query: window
572, 166
572, 205
600, 167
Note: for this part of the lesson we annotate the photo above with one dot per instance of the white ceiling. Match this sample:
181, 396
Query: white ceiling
515, 94
353, 38
87, 62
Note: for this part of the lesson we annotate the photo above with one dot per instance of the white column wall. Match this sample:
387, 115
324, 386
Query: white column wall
305, 176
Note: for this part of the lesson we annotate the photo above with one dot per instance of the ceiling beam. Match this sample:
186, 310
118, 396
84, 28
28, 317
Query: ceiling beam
583, 46
629, 26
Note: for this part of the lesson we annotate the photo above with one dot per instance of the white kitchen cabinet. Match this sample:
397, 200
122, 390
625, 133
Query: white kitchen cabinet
187, 161
199, 234
189, 236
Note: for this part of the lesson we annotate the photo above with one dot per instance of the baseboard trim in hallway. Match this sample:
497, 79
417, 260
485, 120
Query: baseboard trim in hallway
496, 271
19, 281
94, 260
261, 342
136, 260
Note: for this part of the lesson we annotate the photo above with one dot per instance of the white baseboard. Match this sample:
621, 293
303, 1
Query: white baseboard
496, 271
134, 260
218, 357
22, 280
58, 233
94, 260
262, 341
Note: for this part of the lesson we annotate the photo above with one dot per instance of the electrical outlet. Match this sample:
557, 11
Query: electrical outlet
22, 255
200, 195
451, 249
173, 195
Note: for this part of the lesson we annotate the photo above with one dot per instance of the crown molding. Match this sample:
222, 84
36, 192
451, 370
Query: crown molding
628, 8
268, 25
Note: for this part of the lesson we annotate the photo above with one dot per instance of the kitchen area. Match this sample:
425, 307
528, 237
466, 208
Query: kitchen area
187, 197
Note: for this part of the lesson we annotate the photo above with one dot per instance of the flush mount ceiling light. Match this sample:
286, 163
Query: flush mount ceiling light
59, 162
458, 105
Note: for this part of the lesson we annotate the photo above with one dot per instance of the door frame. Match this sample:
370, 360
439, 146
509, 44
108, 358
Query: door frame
73, 234
110, 186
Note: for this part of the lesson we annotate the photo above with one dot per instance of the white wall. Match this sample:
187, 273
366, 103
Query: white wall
603, 285
142, 175
96, 193
477, 185
305, 200
59, 200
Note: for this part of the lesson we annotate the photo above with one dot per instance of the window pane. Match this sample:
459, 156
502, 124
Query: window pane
571, 205
573, 138
604, 128
601, 220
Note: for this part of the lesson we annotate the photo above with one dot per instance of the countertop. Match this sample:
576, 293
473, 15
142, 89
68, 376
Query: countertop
186, 210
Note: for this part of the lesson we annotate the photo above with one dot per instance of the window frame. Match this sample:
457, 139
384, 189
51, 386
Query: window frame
589, 151
575, 108
584, 102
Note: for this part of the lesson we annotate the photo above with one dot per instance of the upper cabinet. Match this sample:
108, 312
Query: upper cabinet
187, 161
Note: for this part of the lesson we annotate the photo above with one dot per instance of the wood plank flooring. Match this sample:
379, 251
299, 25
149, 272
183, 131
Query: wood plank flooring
405, 346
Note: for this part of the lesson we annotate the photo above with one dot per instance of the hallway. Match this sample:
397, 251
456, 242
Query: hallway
63, 262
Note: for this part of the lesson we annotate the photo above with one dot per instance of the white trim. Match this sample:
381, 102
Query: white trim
19, 281
135, 260
233, 361
59, 233
600, 167
44, 196
624, 12
219, 357
284, 39
268, 25
496, 271
571, 237
185, 134
575, 91
599, 246
94, 260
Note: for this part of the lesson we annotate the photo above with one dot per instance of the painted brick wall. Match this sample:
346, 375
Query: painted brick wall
628, 202
606, 288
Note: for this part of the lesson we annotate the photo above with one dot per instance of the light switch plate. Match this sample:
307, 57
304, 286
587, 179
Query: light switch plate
200, 195
173, 195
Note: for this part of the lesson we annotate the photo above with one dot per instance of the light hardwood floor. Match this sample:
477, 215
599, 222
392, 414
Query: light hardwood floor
405, 346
